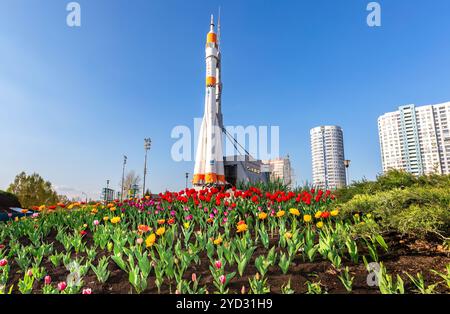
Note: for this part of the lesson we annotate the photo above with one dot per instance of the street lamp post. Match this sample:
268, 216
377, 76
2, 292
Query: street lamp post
147, 145
123, 175
187, 176
83, 193
347, 164
106, 191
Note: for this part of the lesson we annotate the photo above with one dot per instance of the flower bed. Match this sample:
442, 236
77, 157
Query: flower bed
235, 241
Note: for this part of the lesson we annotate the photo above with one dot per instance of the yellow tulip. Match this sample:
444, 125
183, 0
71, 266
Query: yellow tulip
294, 211
262, 215
307, 218
218, 240
280, 213
160, 231
151, 239
335, 212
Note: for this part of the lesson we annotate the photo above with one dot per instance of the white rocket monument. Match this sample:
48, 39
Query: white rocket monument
209, 168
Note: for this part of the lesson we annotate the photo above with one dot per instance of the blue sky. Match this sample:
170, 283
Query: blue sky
74, 100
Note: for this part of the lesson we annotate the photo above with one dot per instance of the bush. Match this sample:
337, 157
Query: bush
413, 210
8, 200
393, 179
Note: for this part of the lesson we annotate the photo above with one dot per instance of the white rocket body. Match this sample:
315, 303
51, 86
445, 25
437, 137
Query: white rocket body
209, 169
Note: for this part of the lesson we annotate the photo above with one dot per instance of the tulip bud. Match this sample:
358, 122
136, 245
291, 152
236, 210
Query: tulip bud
243, 290
96, 222
218, 264
47, 280
222, 279
3, 262
62, 286
139, 241
29, 273
177, 291
87, 291
257, 276
194, 277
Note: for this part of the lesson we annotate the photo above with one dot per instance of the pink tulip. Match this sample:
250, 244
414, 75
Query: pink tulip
35, 215
9, 215
47, 280
194, 277
3, 262
218, 264
29, 273
222, 279
139, 241
62, 286
96, 222
87, 291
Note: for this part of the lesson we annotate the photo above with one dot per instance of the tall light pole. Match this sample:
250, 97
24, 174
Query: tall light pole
82, 193
347, 164
123, 175
147, 145
187, 176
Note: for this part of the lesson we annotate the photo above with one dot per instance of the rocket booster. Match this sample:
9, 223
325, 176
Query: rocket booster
209, 169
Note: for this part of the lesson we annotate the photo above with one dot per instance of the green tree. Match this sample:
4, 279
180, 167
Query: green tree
33, 190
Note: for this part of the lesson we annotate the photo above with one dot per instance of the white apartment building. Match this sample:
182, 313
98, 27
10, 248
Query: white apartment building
280, 169
327, 148
416, 139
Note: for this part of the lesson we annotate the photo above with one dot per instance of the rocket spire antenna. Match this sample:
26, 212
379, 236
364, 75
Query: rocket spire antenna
218, 30
212, 23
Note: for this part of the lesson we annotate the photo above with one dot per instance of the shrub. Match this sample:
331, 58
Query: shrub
8, 200
413, 210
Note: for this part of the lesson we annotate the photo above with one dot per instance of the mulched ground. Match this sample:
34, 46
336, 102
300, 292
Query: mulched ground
405, 255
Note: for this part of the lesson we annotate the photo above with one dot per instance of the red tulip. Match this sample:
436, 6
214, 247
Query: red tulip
62, 286
218, 264
47, 280
222, 279
3, 262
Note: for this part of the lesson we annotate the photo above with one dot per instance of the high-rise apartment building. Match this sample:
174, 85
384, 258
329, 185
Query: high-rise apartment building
280, 169
416, 139
327, 148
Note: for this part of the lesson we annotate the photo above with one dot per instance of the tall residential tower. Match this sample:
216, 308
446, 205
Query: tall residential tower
416, 139
327, 148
